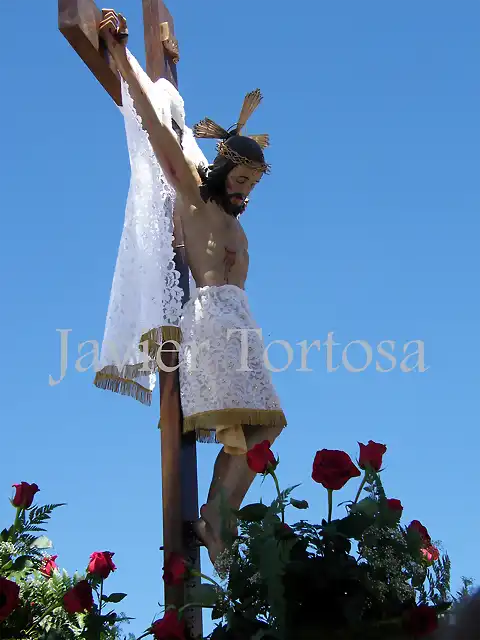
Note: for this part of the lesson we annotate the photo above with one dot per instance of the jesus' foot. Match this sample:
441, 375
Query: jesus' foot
208, 530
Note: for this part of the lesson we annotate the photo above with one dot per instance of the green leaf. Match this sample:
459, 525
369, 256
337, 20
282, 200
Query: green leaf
389, 517
274, 556
443, 606
220, 633
217, 613
253, 512
414, 542
419, 578
42, 542
95, 580
299, 504
6, 533
354, 525
206, 594
7, 567
20, 563
52, 635
114, 597
368, 506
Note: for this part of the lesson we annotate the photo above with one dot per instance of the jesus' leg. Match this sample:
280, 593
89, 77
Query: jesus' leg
231, 480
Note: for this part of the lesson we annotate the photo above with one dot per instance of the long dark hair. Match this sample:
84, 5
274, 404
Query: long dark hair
214, 176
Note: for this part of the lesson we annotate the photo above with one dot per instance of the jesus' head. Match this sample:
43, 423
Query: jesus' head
236, 170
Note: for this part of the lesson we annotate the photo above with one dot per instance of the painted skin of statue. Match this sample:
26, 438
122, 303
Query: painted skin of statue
244, 409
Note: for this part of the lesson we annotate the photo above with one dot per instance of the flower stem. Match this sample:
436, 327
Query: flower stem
193, 572
44, 615
330, 504
275, 479
100, 603
360, 488
193, 604
17, 518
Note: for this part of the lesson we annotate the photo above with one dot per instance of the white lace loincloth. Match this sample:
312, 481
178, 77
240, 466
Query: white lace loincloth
224, 383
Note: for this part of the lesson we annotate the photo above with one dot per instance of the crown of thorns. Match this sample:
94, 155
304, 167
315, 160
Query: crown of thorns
207, 128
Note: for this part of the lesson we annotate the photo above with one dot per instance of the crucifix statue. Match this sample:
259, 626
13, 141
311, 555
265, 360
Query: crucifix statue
214, 386
79, 21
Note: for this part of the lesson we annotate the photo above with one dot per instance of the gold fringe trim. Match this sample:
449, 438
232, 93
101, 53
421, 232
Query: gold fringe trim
201, 435
152, 337
123, 386
153, 334
206, 436
204, 424
130, 371
208, 420
158, 336
171, 333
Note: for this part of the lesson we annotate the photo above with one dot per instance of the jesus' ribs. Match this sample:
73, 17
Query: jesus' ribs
229, 260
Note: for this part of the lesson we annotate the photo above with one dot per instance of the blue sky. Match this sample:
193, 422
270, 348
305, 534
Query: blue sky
367, 227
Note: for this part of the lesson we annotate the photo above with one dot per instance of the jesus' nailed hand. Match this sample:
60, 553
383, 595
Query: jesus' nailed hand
113, 30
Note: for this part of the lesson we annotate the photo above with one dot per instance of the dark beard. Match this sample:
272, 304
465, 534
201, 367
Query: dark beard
227, 205
223, 200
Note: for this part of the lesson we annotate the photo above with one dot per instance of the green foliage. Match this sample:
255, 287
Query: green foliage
40, 614
353, 578
252, 512
206, 594
466, 589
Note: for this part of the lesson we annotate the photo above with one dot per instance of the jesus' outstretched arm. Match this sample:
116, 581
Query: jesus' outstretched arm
166, 148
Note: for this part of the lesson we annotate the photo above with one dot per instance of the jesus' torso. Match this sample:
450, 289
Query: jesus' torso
215, 245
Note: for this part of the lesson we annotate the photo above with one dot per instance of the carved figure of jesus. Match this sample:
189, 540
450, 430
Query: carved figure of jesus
223, 398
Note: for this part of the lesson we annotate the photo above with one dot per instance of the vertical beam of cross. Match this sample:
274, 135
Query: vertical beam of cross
78, 22
179, 454
159, 63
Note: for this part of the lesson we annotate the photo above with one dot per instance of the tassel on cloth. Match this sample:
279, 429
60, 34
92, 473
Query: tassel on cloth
156, 337
123, 386
208, 420
204, 424
171, 333
206, 436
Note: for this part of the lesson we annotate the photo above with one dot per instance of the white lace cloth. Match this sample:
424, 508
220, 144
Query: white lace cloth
224, 382
145, 293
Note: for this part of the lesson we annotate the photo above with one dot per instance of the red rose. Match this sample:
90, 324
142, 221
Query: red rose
169, 627
175, 570
79, 598
260, 458
417, 526
430, 554
371, 455
48, 566
9, 597
24, 494
101, 564
394, 505
421, 620
333, 468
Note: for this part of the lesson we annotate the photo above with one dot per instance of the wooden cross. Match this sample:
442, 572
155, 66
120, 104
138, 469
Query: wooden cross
78, 22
